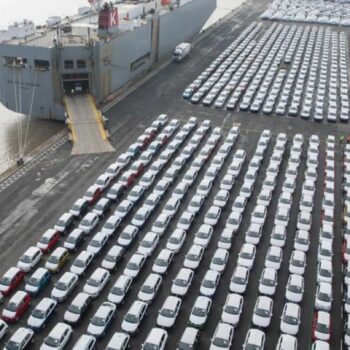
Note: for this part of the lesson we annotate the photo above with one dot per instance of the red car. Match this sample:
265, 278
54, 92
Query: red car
93, 194
321, 326
151, 133
346, 250
10, 280
48, 240
143, 141
16, 306
127, 179
137, 168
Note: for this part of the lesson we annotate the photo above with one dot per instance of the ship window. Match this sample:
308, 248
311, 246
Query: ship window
68, 64
41, 64
81, 64
14, 61
139, 62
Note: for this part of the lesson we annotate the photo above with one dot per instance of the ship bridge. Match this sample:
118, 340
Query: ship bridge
86, 124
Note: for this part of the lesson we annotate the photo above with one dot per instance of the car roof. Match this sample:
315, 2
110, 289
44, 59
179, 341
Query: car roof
76, 232
189, 334
202, 301
84, 255
292, 309
152, 279
171, 301
323, 317
222, 330
104, 309
256, 336
45, 303
156, 333
59, 328
117, 339
90, 216
39, 272
18, 296
80, 298
67, 276
21, 333
136, 306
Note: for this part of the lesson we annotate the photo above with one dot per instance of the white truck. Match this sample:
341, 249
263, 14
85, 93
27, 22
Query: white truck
181, 51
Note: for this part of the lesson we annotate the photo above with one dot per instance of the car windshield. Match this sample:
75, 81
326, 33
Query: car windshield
252, 347
140, 217
61, 223
117, 291
54, 342
174, 240
109, 226
203, 235
125, 235
184, 221
198, 312
290, 320
245, 255
61, 286
34, 281
25, 259
233, 221
194, 204
302, 240
98, 321
183, 346
85, 222
239, 280
79, 263
221, 343
324, 297
71, 239
278, 236
95, 243
262, 312
74, 309
44, 240
93, 282
181, 283
231, 309
122, 209
12, 306
208, 284
159, 224
146, 244
169, 207
323, 328
212, 215
167, 313
253, 233
294, 288
38, 313
218, 261
147, 289
110, 258
132, 266
131, 318
225, 239
150, 346
268, 282
54, 259
161, 262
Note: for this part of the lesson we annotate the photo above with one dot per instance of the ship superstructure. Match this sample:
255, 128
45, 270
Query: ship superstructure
96, 52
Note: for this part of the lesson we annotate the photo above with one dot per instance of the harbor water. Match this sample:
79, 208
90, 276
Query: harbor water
20, 134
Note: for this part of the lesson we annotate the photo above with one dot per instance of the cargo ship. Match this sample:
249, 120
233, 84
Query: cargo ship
94, 53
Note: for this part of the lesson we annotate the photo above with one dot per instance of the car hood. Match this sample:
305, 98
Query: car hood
35, 322
71, 317
95, 330
8, 313
58, 294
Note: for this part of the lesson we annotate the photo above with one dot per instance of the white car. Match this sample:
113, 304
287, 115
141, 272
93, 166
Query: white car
297, 262
287, 342
302, 241
308, 188
134, 317
195, 204
209, 283
161, 187
239, 204
239, 280
204, 187
290, 319
282, 217
97, 243
111, 259
82, 262
295, 288
203, 235
323, 297
41, 314
150, 288
29, 259
180, 190
97, 282
58, 337
161, 224
246, 255
111, 225
163, 261
221, 198
278, 236
227, 182
185, 221
285, 200
324, 271
176, 240
325, 251
259, 215
77, 308
123, 209
269, 183
274, 257
157, 339
225, 239
222, 338
171, 206
200, 311
306, 204
120, 289
322, 326
102, 319
262, 312
182, 282
219, 260
304, 221
253, 233
246, 190
193, 257
169, 312
268, 282
148, 244
190, 176
234, 221
4, 328
255, 339
232, 309
212, 216
250, 176
64, 286
235, 167
264, 197
140, 217
127, 236
151, 202
134, 265
289, 185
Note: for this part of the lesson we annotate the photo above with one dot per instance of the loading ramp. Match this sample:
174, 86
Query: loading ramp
86, 125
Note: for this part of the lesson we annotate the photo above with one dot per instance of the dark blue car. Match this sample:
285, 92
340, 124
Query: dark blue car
38, 281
